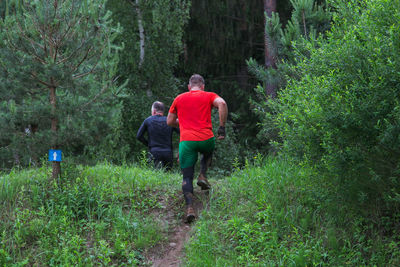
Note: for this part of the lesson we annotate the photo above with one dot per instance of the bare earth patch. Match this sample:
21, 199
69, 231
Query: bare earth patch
170, 253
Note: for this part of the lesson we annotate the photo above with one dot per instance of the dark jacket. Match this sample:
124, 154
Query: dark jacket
158, 132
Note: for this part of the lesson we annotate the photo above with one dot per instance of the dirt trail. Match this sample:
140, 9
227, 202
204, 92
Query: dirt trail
170, 253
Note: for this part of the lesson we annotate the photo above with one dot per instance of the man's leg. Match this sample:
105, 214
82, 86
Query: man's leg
156, 158
206, 148
205, 163
168, 163
151, 159
166, 159
187, 184
187, 160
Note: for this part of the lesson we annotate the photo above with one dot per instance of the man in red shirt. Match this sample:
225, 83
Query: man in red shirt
191, 112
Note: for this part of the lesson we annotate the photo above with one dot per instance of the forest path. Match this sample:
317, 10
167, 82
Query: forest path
170, 253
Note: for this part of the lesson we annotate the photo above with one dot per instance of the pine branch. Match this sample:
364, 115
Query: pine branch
83, 43
93, 68
41, 81
69, 27
101, 92
43, 35
32, 42
85, 57
86, 73
74, 52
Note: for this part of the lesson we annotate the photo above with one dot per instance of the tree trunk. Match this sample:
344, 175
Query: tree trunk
141, 32
270, 54
56, 164
304, 23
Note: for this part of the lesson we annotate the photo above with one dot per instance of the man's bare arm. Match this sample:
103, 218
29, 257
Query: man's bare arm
220, 103
172, 120
223, 115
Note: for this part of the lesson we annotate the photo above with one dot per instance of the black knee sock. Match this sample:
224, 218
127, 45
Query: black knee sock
187, 184
205, 163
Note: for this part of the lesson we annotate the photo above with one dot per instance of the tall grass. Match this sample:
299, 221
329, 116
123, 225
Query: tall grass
277, 214
269, 213
101, 215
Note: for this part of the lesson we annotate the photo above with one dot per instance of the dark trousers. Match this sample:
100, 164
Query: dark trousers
162, 159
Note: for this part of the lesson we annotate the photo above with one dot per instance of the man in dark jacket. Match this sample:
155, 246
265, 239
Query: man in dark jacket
159, 134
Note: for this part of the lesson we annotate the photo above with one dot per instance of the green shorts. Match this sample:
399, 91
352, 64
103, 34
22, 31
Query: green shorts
188, 151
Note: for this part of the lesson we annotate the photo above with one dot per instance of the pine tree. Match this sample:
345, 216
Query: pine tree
308, 20
56, 78
291, 42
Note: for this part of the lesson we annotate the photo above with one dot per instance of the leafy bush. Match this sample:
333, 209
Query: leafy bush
226, 151
290, 41
342, 115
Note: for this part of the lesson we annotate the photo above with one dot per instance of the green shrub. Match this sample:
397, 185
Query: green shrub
343, 114
226, 151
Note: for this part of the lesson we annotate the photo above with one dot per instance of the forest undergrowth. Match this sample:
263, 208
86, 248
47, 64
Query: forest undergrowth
269, 212
275, 213
94, 216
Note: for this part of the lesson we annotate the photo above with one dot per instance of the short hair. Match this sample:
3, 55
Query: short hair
196, 80
158, 107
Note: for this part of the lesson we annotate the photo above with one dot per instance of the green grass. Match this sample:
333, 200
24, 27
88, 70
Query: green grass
277, 214
269, 213
102, 215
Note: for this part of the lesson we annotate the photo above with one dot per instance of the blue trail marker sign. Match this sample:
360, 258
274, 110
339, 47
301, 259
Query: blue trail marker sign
54, 155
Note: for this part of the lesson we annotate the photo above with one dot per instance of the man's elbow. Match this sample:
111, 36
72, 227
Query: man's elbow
222, 105
170, 121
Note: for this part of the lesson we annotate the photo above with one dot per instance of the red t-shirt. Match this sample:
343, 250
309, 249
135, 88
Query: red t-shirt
193, 109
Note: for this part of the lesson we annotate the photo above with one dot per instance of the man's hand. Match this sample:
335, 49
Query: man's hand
221, 133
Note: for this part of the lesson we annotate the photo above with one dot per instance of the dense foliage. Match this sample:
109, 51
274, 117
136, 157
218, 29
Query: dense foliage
147, 62
290, 42
342, 115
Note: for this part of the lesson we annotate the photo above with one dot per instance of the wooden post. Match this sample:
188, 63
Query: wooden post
53, 101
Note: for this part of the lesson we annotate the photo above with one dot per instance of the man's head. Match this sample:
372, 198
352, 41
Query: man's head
157, 108
196, 82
